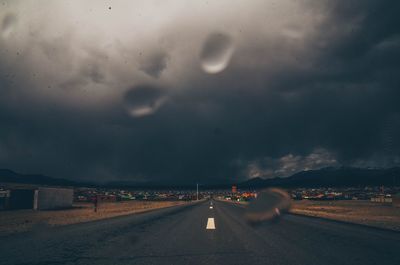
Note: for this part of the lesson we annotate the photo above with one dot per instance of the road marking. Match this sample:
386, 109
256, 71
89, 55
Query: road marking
211, 207
210, 223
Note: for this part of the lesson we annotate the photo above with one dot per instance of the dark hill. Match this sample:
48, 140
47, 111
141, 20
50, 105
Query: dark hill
8, 176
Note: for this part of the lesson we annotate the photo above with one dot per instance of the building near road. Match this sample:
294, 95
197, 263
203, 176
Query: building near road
4, 199
53, 198
396, 200
36, 198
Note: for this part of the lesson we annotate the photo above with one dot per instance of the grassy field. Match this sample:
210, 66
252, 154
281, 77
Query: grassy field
25, 220
360, 212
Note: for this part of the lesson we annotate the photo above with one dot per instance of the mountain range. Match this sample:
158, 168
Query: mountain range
325, 177
9, 176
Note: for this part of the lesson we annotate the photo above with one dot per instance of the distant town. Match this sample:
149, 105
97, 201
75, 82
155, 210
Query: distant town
27, 196
378, 194
19, 191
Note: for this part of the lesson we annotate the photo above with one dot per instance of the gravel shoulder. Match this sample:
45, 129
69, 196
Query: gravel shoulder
360, 212
26, 220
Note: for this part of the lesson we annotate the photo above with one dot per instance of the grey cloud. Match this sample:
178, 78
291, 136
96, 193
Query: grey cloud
155, 64
290, 164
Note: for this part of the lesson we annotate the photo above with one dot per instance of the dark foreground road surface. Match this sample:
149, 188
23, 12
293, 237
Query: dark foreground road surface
178, 235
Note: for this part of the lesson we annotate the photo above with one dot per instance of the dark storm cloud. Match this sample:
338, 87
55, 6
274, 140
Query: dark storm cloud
310, 84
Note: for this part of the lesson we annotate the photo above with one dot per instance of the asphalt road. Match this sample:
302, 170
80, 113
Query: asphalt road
178, 235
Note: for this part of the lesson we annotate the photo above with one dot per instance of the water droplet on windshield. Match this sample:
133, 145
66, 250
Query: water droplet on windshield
216, 53
144, 100
268, 205
7, 25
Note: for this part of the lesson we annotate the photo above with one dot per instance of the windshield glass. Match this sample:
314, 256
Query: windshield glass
199, 132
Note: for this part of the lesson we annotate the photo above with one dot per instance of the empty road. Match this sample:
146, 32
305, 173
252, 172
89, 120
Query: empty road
197, 234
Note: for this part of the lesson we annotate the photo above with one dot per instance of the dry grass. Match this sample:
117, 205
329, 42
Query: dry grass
360, 212
24, 220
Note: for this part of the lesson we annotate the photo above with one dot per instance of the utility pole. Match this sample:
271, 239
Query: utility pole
197, 191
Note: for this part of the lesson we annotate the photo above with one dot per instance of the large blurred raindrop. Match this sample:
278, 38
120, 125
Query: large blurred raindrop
268, 205
7, 25
216, 53
144, 100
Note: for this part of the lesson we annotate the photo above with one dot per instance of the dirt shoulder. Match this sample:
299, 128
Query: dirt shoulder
25, 220
359, 212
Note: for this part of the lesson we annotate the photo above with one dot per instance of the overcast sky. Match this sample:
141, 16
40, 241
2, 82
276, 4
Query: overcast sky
208, 91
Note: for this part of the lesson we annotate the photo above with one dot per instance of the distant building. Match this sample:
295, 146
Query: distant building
382, 199
37, 198
234, 189
107, 198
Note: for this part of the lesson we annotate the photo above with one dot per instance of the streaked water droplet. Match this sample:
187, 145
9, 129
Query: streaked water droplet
144, 100
216, 53
8, 24
268, 205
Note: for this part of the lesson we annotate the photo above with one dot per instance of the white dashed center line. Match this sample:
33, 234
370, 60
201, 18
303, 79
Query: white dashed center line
210, 223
